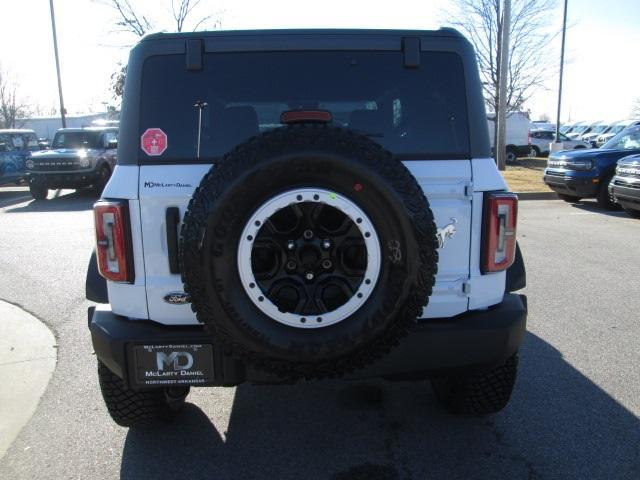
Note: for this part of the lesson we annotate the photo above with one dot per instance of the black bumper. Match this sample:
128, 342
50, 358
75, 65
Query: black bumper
578, 187
81, 179
626, 193
472, 342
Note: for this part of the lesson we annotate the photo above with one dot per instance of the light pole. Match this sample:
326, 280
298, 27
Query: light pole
55, 51
564, 31
503, 78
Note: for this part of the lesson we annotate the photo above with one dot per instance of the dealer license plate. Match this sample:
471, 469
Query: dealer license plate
179, 364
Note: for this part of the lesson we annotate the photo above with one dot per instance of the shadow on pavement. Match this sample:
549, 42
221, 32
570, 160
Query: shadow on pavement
12, 195
558, 425
591, 206
59, 201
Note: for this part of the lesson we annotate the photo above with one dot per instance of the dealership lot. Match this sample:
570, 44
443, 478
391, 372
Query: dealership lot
574, 414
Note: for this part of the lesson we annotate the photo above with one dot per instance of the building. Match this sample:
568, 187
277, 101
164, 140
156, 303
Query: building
46, 127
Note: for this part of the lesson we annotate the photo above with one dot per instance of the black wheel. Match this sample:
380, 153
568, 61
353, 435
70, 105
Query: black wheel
511, 157
38, 190
104, 174
128, 407
605, 199
568, 198
478, 394
635, 213
309, 251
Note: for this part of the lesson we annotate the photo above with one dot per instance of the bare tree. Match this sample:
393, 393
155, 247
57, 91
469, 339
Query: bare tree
529, 60
130, 20
12, 111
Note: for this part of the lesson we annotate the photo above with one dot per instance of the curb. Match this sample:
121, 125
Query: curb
27, 361
537, 196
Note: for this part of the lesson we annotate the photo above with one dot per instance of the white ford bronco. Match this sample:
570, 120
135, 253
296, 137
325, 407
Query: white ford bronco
304, 204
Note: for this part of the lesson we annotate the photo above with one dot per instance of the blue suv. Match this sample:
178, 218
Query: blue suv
16, 146
580, 174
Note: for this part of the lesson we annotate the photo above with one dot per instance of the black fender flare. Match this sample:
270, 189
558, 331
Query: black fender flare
516, 274
95, 284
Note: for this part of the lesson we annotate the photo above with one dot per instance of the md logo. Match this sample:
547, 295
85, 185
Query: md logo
175, 360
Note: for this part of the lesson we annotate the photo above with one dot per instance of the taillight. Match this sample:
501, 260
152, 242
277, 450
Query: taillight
113, 240
499, 231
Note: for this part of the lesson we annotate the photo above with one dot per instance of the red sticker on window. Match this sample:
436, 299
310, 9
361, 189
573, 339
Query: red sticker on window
153, 142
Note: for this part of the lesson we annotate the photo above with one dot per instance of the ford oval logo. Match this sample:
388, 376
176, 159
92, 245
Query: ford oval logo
177, 298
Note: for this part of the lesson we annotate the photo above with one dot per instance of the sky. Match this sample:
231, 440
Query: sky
601, 80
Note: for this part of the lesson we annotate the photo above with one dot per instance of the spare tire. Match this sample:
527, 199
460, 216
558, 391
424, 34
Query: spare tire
309, 251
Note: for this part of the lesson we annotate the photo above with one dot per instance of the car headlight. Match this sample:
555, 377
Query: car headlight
570, 164
85, 162
579, 164
29, 164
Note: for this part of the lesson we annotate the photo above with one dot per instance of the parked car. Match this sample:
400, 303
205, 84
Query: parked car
625, 185
587, 173
567, 127
579, 129
517, 135
295, 244
542, 125
78, 157
16, 145
615, 129
540, 140
591, 135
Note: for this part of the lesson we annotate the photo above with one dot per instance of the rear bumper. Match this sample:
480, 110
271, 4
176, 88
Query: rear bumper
626, 192
79, 179
475, 341
569, 185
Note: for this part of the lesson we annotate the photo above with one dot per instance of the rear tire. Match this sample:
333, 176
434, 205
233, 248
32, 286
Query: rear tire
130, 407
511, 157
39, 191
568, 198
478, 394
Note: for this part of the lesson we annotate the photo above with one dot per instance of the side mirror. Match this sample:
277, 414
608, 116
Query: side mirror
112, 144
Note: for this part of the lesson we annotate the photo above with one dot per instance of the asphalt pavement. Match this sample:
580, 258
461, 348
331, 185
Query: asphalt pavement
574, 413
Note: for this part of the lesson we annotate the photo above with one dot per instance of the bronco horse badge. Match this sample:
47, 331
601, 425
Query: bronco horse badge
446, 232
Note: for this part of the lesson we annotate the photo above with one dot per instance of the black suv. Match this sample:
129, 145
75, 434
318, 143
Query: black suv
79, 157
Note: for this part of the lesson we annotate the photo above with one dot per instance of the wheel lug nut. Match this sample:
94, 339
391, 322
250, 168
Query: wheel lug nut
291, 245
291, 265
326, 244
309, 276
308, 234
327, 264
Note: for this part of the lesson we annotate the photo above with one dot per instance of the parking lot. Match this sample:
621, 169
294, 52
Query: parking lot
574, 414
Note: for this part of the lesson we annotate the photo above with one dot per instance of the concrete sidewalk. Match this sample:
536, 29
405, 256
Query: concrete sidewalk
27, 360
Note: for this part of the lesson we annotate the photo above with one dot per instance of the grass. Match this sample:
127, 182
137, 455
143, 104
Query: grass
526, 175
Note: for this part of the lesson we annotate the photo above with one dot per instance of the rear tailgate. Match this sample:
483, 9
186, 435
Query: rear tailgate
446, 184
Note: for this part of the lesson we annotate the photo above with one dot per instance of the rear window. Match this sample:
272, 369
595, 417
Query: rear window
419, 113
